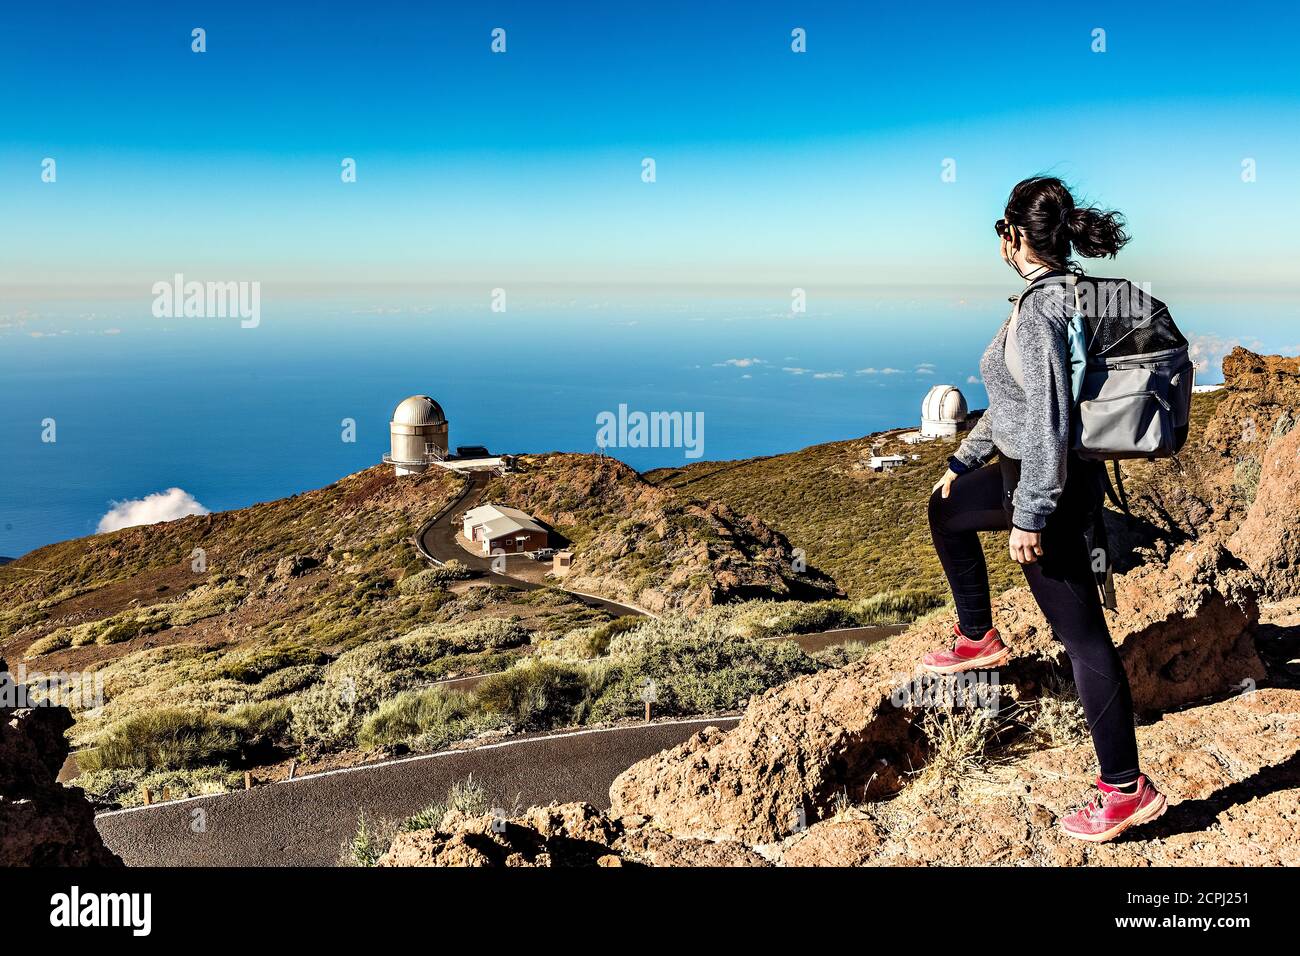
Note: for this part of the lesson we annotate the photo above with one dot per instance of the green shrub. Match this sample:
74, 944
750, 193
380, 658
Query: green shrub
122, 788
250, 666
170, 738
604, 633
433, 579
286, 681
259, 724
372, 840
466, 798
421, 649
368, 844
52, 642
186, 738
694, 675
537, 693
435, 713
327, 716
840, 655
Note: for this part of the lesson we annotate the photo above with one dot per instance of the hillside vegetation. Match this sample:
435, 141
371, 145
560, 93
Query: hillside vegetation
868, 530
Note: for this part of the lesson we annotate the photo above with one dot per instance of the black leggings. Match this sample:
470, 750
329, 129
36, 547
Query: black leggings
1062, 583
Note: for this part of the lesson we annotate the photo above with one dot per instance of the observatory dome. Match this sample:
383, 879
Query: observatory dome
418, 435
943, 411
418, 410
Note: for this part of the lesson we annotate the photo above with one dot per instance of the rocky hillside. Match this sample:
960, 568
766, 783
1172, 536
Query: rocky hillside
657, 548
869, 764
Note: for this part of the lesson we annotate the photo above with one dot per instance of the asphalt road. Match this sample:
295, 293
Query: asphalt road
305, 821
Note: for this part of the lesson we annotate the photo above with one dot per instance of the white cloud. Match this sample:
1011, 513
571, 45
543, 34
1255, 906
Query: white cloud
922, 370
739, 362
828, 375
1207, 353
921, 365
972, 380
160, 506
796, 371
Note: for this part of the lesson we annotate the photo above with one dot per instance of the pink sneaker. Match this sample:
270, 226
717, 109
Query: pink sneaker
967, 655
1110, 812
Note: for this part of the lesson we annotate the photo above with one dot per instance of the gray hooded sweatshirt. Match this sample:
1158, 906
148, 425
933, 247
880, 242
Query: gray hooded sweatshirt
1030, 424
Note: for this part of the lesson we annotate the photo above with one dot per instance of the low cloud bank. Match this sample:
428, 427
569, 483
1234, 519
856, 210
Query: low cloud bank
160, 506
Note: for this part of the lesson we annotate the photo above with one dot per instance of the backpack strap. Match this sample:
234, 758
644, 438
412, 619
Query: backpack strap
1115, 492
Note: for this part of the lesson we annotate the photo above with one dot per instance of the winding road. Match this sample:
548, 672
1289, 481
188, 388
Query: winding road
305, 821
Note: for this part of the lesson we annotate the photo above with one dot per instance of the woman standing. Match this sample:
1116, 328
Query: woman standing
1043, 494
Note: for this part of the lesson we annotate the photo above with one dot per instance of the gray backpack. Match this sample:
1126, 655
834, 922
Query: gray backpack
1132, 382
1130, 371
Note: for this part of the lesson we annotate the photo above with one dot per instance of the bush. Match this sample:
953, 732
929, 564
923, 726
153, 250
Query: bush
368, 844
537, 693
52, 642
171, 738
186, 738
433, 579
121, 788
372, 840
327, 716
436, 715
841, 655
695, 675
466, 798
421, 649
252, 665
286, 681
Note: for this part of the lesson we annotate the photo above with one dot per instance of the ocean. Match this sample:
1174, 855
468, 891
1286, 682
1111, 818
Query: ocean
137, 405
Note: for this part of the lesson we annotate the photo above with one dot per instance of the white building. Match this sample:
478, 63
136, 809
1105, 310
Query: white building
885, 462
943, 412
496, 528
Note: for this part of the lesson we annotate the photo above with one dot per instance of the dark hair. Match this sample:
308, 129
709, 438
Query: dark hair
1044, 210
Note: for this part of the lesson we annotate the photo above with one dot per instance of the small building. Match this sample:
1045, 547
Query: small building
562, 562
943, 412
885, 462
496, 528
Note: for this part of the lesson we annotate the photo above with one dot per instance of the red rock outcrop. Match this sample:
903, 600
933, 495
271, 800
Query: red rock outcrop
1229, 768
1269, 539
571, 834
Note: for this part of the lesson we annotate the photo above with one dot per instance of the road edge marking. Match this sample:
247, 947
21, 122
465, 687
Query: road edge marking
417, 757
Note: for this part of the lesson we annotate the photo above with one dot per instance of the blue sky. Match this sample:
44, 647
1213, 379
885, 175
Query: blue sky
814, 169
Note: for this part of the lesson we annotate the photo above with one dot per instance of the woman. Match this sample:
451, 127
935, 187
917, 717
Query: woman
1043, 494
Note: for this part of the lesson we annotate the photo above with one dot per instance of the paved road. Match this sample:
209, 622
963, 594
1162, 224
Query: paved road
304, 822
438, 540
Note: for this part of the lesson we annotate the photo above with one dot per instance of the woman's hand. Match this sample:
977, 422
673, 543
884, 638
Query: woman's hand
1026, 546
945, 483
